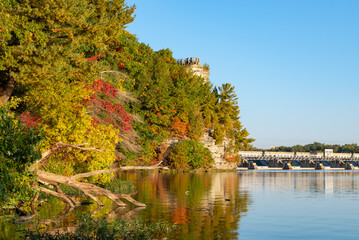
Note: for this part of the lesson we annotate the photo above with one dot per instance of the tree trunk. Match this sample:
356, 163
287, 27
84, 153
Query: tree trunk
88, 189
6, 90
91, 190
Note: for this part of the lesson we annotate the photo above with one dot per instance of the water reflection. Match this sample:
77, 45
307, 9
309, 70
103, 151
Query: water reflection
301, 205
323, 182
232, 205
205, 205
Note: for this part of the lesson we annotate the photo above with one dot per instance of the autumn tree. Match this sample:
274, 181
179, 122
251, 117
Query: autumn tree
172, 101
49, 62
44, 50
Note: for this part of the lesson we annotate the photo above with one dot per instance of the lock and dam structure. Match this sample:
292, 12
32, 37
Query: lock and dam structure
291, 160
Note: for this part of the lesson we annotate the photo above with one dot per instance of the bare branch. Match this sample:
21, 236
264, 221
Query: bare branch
116, 73
60, 145
133, 201
93, 198
63, 197
88, 189
89, 174
126, 168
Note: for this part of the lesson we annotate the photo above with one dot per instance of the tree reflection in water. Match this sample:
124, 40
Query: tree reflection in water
205, 205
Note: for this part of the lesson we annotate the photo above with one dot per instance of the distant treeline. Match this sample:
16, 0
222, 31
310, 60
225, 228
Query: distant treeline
319, 147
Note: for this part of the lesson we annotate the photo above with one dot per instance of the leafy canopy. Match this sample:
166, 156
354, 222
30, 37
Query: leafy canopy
17, 153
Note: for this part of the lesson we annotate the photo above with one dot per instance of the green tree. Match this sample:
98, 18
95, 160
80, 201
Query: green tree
190, 154
227, 111
17, 153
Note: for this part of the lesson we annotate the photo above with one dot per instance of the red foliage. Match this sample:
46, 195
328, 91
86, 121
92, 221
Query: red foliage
105, 109
101, 86
95, 121
29, 121
96, 57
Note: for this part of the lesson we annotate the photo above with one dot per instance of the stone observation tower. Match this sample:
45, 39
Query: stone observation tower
193, 64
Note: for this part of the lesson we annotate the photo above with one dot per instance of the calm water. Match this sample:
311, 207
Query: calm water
235, 205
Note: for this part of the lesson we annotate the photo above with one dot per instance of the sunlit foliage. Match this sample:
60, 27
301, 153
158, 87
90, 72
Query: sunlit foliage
74, 63
17, 152
189, 154
44, 48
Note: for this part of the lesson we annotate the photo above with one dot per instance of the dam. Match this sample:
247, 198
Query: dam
288, 160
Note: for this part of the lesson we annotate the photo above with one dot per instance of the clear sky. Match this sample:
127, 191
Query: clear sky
294, 63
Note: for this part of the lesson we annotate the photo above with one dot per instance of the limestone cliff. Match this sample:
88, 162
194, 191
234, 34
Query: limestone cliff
193, 65
199, 71
218, 152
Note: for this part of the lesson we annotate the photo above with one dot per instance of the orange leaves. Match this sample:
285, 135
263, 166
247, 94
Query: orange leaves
169, 60
231, 158
179, 128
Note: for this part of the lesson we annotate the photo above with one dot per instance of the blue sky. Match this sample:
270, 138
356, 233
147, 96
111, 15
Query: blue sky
294, 63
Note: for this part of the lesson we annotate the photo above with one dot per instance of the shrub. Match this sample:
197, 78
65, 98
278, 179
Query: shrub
17, 153
232, 158
189, 154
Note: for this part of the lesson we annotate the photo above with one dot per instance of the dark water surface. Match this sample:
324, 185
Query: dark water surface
232, 205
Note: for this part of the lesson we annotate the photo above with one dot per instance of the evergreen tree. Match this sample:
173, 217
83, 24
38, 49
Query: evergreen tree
228, 120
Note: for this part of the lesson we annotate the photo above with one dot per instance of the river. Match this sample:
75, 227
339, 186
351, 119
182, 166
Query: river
233, 205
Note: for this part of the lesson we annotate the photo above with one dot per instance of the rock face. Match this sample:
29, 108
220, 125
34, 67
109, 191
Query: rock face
199, 71
217, 152
193, 65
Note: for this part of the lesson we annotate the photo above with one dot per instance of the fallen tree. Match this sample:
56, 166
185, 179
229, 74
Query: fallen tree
49, 183
23, 176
